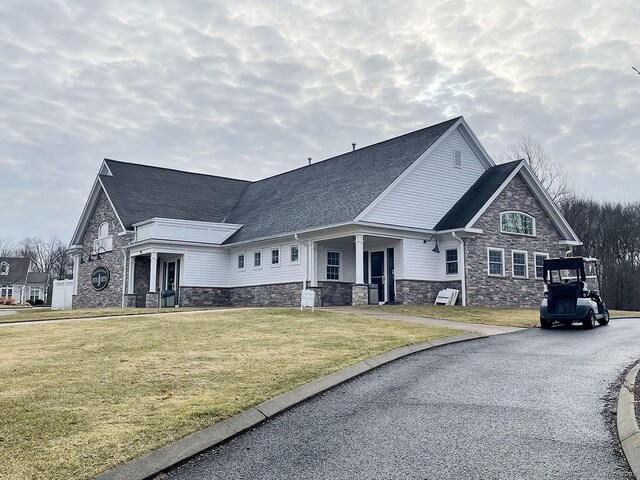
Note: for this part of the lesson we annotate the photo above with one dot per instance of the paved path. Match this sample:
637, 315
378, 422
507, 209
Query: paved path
524, 405
469, 327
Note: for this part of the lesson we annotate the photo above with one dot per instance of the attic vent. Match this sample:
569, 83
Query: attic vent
457, 158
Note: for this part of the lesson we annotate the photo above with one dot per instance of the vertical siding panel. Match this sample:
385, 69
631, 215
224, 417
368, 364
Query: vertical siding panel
423, 197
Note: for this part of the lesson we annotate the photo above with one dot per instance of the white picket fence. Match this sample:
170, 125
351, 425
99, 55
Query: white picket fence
61, 295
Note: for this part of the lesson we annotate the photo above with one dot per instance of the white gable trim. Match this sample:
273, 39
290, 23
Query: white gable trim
541, 195
88, 208
104, 169
460, 125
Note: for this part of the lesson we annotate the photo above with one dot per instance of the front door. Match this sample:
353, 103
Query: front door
172, 277
377, 273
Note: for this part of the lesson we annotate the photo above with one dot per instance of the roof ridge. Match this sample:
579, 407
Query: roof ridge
453, 120
175, 170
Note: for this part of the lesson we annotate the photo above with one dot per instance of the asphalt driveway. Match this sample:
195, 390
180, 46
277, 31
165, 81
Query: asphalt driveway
520, 405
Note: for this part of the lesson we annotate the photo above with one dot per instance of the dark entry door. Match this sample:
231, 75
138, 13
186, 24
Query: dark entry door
377, 273
391, 294
172, 277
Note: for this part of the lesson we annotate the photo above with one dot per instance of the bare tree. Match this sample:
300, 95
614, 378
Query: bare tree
7, 248
46, 256
553, 175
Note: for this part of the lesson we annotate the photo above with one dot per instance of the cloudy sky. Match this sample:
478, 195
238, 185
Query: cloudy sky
248, 89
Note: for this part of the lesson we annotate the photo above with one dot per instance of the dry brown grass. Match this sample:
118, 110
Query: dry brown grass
81, 397
29, 314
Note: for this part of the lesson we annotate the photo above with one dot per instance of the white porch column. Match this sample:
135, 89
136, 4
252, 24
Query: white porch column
132, 269
359, 259
154, 273
76, 272
314, 264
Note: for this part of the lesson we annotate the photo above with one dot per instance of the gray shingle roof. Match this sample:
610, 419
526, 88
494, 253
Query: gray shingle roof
479, 193
329, 192
18, 268
37, 278
140, 192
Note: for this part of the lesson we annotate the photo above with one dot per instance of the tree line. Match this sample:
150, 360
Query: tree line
47, 256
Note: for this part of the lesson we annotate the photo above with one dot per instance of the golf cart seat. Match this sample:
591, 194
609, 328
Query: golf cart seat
562, 297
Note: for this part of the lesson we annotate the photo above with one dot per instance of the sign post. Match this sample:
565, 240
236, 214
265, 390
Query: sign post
308, 299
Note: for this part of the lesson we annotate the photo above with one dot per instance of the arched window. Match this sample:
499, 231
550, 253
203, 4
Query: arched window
4, 268
517, 222
103, 230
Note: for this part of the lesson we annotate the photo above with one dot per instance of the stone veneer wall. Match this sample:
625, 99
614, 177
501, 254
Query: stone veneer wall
274, 295
204, 297
111, 295
335, 293
423, 292
485, 290
141, 273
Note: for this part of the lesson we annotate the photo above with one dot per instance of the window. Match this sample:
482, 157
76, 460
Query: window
6, 291
103, 230
4, 268
451, 256
275, 256
333, 265
519, 264
540, 258
34, 294
257, 259
496, 261
517, 222
240, 261
295, 254
457, 158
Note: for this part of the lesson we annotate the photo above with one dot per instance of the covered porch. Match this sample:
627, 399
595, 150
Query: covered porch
152, 272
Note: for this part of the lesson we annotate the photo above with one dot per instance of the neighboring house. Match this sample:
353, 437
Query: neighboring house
17, 281
412, 215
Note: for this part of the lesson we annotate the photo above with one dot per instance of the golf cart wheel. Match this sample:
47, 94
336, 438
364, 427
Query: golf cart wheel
545, 323
590, 321
604, 320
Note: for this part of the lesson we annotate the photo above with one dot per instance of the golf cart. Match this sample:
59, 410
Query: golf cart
572, 293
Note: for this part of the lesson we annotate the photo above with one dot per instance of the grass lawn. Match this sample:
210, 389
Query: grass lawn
512, 317
24, 314
80, 397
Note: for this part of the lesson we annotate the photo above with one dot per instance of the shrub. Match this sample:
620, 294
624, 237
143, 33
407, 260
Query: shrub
30, 302
38, 302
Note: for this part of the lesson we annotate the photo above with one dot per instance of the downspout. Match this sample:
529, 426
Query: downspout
464, 272
306, 249
124, 274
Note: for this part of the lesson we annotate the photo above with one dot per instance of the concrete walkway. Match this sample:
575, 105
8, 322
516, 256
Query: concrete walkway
469, 327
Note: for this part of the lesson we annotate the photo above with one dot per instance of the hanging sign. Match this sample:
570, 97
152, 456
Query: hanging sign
100, 277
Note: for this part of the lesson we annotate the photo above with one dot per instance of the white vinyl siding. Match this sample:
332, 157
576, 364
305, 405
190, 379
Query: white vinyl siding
429, 191
519, 264
205, 268
421, 263
495, 262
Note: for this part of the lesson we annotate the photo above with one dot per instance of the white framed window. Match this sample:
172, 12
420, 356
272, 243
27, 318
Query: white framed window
257, 259
294, 254
457, 158
451, 261
35, 293
519, 264
103, 230
6, 291
4, 268
275, 257
539, 259
333, 265
240, 262
495, 262
518, 223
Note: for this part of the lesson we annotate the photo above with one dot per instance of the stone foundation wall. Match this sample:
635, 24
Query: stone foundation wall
485, 290
204, 297
423, 292
152, 300
359, 294
274, 295
111, 295
130, 300
335, 293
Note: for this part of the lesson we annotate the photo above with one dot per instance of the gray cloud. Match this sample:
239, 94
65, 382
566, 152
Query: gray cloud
250, 89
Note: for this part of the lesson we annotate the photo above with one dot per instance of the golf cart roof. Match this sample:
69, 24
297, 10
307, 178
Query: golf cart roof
568, 263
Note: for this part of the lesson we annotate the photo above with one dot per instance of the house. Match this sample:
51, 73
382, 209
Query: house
19, 282
410, 215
